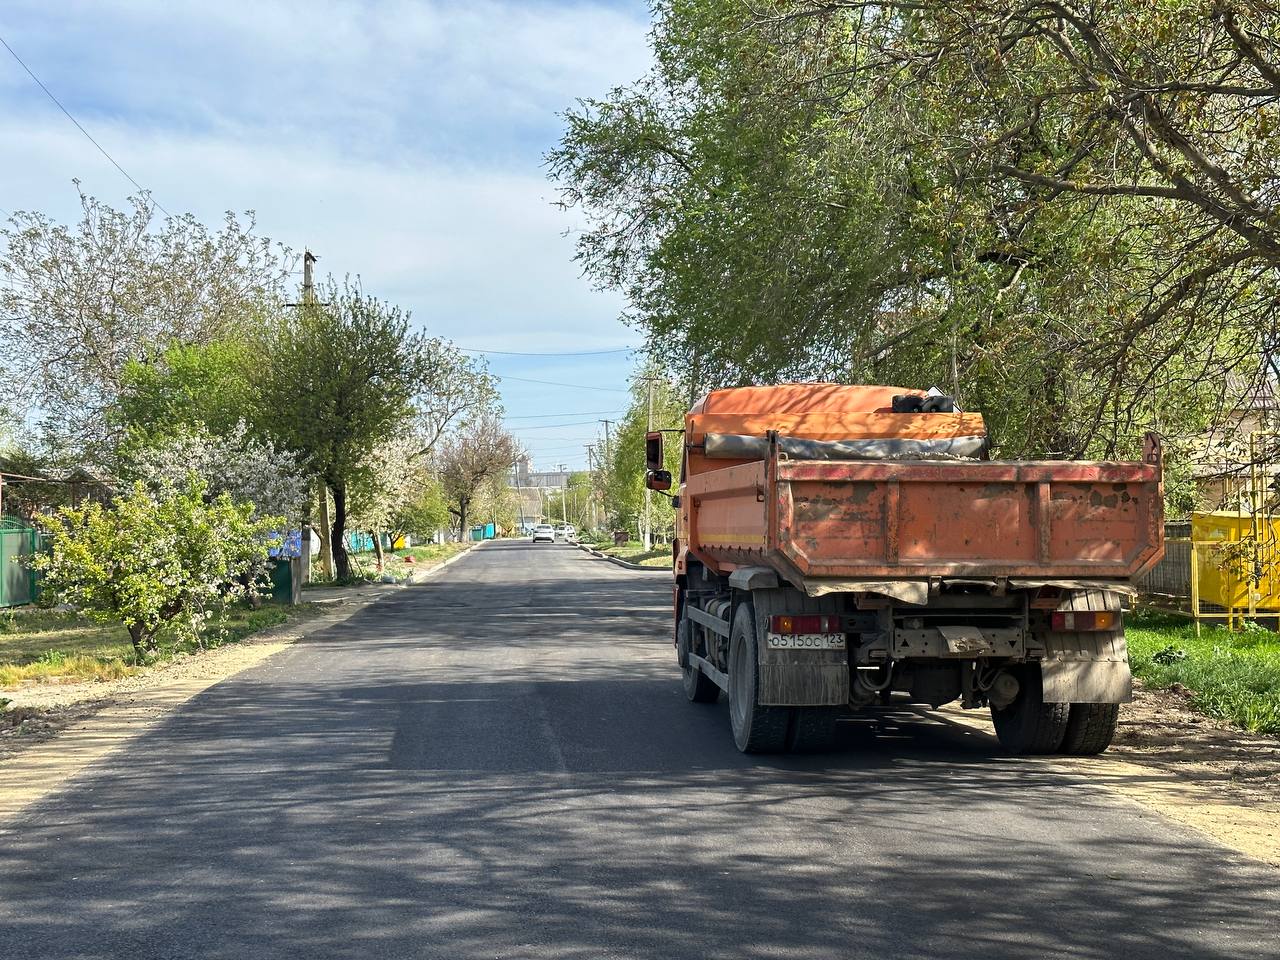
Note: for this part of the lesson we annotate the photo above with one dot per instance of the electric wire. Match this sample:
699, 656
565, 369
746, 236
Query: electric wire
557, 383
80, 127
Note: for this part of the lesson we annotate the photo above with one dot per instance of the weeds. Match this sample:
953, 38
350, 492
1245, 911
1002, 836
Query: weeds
1231, 676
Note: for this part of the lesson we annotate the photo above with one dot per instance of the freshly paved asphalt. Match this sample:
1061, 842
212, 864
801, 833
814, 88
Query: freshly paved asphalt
501, 763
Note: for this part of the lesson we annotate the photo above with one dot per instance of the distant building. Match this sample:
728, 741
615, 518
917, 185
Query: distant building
532, 487
525, 476
1223, 469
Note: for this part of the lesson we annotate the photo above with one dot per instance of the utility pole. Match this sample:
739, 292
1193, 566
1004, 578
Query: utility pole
564, 494
322, 491
606, 463
519, 496
591, 490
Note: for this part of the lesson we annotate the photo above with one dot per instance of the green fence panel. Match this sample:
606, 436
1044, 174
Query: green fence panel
18, 582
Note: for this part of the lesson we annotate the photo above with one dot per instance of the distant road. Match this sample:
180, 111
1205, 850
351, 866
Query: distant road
500, 763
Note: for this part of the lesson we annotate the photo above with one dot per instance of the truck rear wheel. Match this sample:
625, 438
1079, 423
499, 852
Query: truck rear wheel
698, 687
756, 728
1090, 728
1029, 725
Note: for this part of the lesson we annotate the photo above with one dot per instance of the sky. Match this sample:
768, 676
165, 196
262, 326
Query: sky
400, 141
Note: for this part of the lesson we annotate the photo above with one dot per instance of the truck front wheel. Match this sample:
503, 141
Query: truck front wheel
1029, 725
1090, 728
756, 728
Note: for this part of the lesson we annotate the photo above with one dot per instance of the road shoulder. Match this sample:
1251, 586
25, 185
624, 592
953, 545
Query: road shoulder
85, 729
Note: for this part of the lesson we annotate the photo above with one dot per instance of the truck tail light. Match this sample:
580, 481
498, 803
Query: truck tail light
805, 623
1071, 620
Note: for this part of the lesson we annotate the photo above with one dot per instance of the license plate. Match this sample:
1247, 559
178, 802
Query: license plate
806, 641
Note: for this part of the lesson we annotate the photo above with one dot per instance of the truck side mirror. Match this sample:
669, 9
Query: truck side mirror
658, 479
653, 452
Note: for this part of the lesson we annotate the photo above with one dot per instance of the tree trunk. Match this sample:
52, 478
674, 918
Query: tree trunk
338, 540
462, 520
138, 637
326, 551
377, 548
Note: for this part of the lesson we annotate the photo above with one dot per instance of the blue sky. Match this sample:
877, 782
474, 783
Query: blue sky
402, 141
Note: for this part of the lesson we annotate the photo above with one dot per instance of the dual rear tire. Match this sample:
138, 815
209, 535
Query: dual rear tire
698, 687
1029, 725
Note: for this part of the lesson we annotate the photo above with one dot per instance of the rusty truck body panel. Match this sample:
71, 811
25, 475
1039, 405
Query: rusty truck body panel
907, 519
836, 545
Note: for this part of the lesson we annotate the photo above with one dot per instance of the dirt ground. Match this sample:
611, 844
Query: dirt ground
1159, 729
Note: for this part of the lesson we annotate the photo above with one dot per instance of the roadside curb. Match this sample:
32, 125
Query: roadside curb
625, 564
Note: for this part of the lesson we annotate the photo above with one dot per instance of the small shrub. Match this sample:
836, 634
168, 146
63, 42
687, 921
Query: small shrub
163, 560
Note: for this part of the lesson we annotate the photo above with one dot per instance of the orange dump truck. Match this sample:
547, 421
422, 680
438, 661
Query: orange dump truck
845, 547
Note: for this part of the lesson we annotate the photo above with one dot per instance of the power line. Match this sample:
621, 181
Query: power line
576, 413
570, 353
89, 136
553, 426
556, 383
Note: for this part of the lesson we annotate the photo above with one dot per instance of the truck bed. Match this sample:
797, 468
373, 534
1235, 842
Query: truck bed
912, 519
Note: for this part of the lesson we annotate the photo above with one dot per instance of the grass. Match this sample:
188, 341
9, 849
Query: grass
659, 556
364, 566
1231, 676
46, 646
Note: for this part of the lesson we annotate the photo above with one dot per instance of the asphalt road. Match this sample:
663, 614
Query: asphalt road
501, 763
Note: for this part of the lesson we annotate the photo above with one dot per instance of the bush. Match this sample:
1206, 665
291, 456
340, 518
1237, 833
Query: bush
156, 560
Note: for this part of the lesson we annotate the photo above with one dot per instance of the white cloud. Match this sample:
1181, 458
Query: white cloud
366, 75
401, 141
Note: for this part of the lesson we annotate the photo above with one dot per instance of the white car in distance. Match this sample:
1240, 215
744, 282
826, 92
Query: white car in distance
567, 532
544, 531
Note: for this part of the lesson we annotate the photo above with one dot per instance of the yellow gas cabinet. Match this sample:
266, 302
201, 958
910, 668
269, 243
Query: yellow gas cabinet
1236, 556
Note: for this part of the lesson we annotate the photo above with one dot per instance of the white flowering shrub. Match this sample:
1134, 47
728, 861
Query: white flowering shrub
249, 471
162, 560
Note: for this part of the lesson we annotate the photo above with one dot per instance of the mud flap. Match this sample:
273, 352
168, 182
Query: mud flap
804, 684
1086, 681
798, 678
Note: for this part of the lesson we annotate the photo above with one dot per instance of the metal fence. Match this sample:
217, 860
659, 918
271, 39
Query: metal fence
19, 584
1171, 577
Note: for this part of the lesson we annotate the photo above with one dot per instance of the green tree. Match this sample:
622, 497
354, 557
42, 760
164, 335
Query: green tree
423, 514
470, 461
1056, 212
624, 465
339, 380
342, 379
206, 387
156, 561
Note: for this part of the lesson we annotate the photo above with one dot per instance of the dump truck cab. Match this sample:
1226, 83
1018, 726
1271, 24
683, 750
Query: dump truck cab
844, 547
